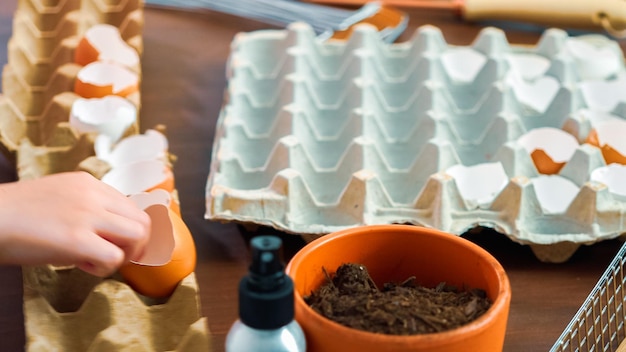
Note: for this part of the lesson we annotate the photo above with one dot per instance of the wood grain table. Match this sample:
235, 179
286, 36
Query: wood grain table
183, 86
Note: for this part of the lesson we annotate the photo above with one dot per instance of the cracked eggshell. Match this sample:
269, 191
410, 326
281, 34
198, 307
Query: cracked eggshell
156, 196
609, 137
111, 115
529, 66
536, 94
103, 42
463, 63
595, 57
170, 254
550, 148
554, 193
613, 177
603, 95
479, 184
151, 145
99, 79
140, 176
581, 122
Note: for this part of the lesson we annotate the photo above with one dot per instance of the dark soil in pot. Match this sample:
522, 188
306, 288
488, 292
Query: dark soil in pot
350, 297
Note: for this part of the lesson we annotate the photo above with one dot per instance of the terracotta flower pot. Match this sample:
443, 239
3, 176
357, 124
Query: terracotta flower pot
393, 253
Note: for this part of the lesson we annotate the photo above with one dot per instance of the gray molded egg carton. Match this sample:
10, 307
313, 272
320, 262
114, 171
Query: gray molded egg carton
316, 136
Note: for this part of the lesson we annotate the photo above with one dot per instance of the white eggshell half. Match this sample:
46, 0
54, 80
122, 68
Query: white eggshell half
536, 94
613, 176
137, 177
528, 66
102, 73
463, 64
555, 193
603, 95
151, 145
613, 133
479, 184
106, 39
593, 62
111, 115
558, 144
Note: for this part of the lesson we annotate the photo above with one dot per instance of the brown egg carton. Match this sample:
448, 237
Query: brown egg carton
47, 14
65, 307
74, 311
126, 15
41, 68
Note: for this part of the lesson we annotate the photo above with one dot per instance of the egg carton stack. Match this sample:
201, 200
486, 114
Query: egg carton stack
64, 307
318, 136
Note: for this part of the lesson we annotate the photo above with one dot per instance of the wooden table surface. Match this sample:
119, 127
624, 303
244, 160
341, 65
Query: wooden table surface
184, 81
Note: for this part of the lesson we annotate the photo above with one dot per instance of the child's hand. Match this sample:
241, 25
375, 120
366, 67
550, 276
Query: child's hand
70, 219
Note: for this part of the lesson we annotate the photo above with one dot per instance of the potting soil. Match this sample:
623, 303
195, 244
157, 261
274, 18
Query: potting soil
350, 297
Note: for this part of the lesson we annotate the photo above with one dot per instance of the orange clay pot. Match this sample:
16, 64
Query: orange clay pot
169, 256
393, 253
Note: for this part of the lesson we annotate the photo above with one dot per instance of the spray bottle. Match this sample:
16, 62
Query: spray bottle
266, 307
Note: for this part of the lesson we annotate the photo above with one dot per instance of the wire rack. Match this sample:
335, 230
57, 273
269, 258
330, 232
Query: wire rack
599, 323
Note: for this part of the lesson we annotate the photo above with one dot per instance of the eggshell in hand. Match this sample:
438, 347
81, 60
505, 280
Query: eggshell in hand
169, 257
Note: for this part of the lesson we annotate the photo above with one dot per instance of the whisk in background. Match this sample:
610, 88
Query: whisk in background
326, 21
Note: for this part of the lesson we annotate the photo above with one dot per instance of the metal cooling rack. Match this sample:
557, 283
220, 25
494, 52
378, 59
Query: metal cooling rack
599, 323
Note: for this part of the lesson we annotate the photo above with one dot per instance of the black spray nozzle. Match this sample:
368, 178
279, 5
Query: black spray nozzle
266, 255
266, 293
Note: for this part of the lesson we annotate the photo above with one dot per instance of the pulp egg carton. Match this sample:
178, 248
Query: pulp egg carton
38, 80
316, 136
49, 124
69, 310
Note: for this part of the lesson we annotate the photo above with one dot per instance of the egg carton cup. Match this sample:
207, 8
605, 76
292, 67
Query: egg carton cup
126, 15
318, 136
69, 310
33, 100
47, 14
40, 44
66, 151
35, 71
